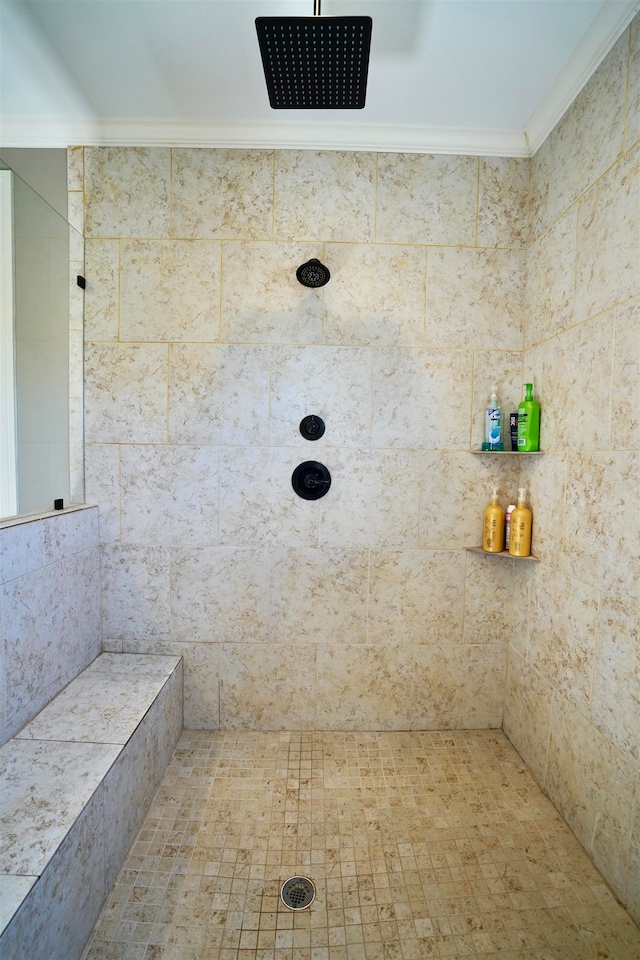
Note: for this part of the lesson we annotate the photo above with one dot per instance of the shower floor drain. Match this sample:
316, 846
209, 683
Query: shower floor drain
298, 893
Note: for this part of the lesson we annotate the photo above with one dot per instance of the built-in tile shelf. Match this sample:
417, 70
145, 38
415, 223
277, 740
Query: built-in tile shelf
509, 453
503, 553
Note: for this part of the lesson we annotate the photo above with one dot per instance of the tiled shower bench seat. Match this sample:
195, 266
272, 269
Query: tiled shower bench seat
75, 784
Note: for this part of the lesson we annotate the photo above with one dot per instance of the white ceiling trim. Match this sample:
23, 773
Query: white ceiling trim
48, 132
612, 18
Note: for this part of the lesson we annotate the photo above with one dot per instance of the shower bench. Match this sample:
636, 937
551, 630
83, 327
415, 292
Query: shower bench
75, 784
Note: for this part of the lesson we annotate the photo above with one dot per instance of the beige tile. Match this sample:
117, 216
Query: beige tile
126, 393
169, 290
318, 596
505, 370
363, 687
427, 199
632, 889
625, 406
75, 168
616, 687
219, 593
262, 301
456, 488
267, 686
416, 596
126, 191
169, 495
102, 472
475, 298
376, 294
258, 505
218, 393
562, 634
542, 214
102, 291
601, 488
324, 195
372, 499
491, 595
607, 270
527, 713
544, 479
333, 383
503, 205
550, 287
221, 194
421, 398
582, 767
632, 132
458, 687
135, 592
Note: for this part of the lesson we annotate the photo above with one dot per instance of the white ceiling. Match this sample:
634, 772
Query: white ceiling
463, 76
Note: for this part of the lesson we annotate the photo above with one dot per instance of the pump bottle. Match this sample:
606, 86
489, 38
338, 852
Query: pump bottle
493, 530
520, 543
493, 423
528, 422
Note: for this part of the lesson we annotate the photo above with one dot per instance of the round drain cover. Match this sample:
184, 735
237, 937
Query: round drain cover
298, 893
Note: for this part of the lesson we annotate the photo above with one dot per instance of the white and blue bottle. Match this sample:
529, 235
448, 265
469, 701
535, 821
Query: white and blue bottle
493, 423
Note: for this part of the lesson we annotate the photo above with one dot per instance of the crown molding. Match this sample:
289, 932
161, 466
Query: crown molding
613, 17
52, 132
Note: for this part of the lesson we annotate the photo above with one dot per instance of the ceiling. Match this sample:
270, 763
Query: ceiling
445, 76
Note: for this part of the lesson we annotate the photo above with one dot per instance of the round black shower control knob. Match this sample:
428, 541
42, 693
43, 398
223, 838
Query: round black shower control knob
312, 427
311, 480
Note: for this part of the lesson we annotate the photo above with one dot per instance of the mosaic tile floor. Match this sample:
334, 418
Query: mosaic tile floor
421, 845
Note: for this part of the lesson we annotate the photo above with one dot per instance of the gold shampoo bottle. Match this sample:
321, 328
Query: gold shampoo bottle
520, 545
493, 530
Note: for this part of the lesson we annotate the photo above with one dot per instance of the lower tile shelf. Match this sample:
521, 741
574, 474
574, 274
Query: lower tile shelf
504, 553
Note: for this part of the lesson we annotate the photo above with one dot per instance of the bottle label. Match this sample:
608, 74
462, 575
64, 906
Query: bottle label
493, 431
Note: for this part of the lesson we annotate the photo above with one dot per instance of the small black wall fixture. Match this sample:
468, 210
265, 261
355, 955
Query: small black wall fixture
312, 427
315, 63
311, 480
313, 274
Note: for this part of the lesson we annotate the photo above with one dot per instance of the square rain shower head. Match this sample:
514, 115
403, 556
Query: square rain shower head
315, 63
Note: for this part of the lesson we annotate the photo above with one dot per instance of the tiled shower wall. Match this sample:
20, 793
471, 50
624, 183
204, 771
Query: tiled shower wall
572, 704
361, 610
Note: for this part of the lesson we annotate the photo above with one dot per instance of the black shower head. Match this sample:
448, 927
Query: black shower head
315, 63
313, 274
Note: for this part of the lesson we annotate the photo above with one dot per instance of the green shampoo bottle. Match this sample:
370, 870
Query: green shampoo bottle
528, 422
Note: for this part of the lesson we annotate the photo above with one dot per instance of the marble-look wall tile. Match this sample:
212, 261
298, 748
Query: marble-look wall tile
475, 298
68, 534
169, 290
257, 503
632, 131
573, 386
376, 294
427, 199
505, 370
102, 294
458, 687
607, 270
218, 193
135, 591
372, 501
616, 688
589, 137
126, 393
262, 301
416, 596
602, 522
318, 596
492, 592
102, 476
126, 191
421, 398
219, 594
593, 787
562, 634
632, 888
503, 204
550, 288
324, 195
545, 481
219, 394
21, 549
267, 687
169, 494
527, 713
88, 589
456, 488
363, 688
75, 168
625, 400
333, 383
